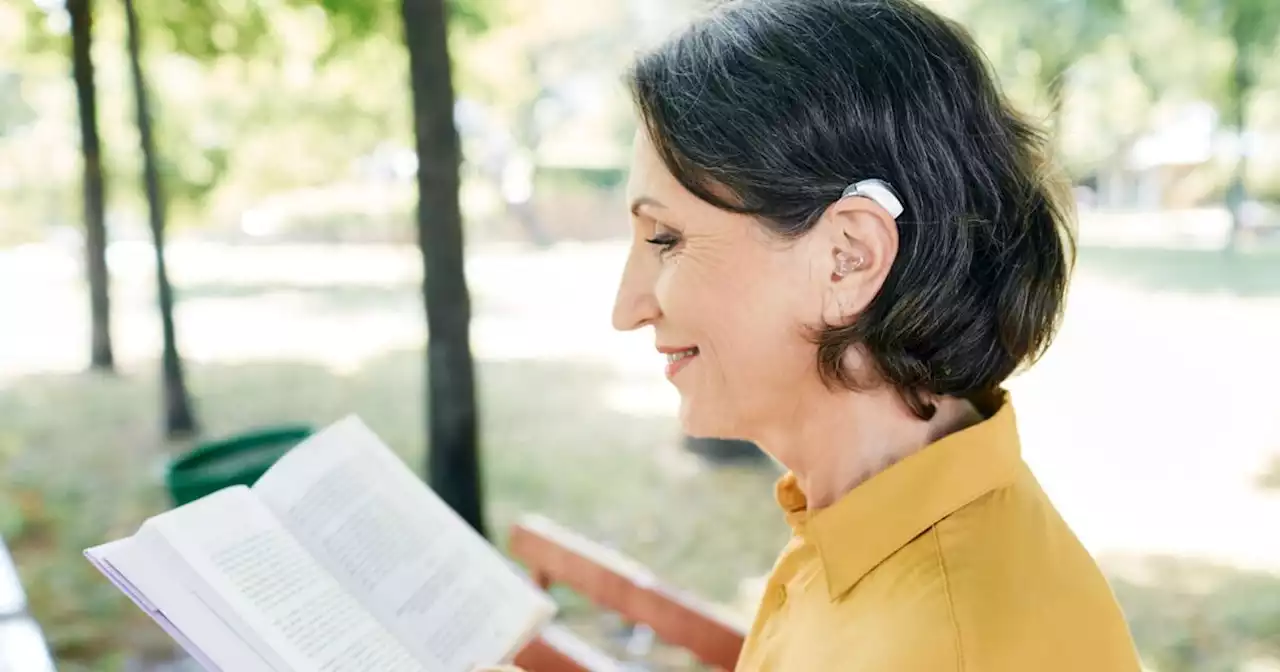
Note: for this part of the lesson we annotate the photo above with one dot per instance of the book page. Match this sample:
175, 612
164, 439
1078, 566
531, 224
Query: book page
244, 564
433, 581
144, 576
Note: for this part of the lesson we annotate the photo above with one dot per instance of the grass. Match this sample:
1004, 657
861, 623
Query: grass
49, 512
549, 446
1190, 271
1197, 617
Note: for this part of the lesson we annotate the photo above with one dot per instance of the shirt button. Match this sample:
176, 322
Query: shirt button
780, 594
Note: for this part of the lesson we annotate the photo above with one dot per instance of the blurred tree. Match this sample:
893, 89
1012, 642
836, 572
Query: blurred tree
201, 28
1172, 54
95, 241
453, 466
200, 35
178, 419
453, 462
1252, 27
1058, 32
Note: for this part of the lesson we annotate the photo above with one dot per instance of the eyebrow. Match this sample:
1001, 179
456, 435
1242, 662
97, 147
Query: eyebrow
642, 201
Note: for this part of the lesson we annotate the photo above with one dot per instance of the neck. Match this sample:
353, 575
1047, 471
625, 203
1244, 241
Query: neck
837, 441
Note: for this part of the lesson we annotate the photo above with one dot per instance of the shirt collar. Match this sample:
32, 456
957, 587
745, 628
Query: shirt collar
883, 514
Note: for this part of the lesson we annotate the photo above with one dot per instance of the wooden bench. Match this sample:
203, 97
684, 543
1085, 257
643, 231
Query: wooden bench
554, 555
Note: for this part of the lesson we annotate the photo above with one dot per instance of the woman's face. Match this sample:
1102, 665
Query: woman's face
729, 303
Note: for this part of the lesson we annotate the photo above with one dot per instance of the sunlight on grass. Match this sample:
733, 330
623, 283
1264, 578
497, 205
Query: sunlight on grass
1246, 273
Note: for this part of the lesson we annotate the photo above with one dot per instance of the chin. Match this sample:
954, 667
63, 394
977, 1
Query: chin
700, 422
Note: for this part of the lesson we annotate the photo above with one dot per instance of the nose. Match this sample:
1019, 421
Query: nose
636, 304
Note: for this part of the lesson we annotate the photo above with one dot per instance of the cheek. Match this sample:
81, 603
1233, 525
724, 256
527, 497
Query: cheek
688, 294
700, 300
746, 322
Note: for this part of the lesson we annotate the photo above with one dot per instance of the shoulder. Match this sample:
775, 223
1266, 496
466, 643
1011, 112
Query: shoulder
1021, 590
1001, 585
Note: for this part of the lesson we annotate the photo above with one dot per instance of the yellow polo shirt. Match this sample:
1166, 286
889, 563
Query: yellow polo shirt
951, 560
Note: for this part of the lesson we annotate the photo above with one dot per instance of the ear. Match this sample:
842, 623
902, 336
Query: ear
854, 243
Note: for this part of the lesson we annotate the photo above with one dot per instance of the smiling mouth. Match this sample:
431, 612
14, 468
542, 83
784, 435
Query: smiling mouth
678, 360
673, 357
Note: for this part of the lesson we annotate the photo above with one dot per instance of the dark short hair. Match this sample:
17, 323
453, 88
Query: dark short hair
772, 107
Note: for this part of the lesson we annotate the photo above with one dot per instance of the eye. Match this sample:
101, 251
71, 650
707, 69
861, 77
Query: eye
664, 241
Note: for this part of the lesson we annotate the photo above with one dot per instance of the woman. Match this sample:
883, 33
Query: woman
845, 241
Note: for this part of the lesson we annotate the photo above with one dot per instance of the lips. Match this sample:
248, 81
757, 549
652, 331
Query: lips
678, 358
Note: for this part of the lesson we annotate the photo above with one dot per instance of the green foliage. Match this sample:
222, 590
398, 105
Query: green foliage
203, 29
249, 98
1160, 54
1058, 32
1104, 73
1250, 23
1254, 26
473, 16
255, 99
353, 18
352, 21
1251, 26
39, 38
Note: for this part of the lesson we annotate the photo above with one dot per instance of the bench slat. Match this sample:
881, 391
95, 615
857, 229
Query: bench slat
555, 555
557, 649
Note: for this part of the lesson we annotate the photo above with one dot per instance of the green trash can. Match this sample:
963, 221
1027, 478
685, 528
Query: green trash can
237, 460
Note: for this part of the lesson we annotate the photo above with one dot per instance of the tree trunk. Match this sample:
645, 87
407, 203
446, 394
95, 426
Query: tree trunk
178, 418
1239, 102
95, 240
453, 463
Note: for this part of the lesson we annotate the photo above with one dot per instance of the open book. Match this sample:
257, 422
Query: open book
338, 559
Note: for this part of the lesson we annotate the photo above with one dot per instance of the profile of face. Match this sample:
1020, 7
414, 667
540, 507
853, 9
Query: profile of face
774, 290
733, 305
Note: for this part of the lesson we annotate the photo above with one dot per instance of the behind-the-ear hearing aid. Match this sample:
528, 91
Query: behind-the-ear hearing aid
878, 191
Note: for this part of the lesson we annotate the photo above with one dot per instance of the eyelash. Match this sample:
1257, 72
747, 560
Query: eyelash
665, 241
